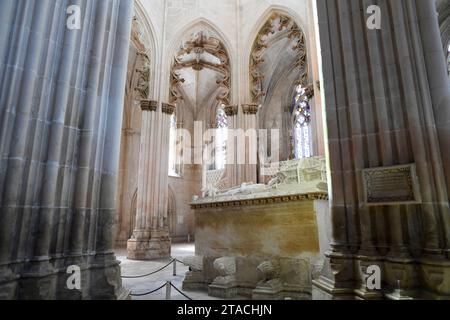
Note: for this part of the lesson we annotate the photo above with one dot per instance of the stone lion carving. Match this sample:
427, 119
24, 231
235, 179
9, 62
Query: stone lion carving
195, 263
270, 270
226, 268
271, 274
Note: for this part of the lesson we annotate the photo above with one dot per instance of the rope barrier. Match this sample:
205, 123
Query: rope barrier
146, 294
179, 291
150, 274
168, 285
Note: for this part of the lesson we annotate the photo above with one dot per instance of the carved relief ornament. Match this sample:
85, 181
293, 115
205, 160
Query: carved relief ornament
278, 27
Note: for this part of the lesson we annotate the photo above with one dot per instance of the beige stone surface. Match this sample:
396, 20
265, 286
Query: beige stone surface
286, 229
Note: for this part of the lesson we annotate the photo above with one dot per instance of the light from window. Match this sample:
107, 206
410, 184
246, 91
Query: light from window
302, 125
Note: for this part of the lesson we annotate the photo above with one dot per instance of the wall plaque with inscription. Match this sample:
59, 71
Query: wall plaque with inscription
391, 185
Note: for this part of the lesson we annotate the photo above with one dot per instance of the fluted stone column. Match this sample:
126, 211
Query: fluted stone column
61, 95
231, 166
248, 171
386, 96
439, 86
168, 111
151, 237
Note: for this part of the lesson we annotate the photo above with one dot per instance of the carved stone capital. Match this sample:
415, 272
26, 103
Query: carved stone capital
250, 109
231, 111
168, 108
149, 105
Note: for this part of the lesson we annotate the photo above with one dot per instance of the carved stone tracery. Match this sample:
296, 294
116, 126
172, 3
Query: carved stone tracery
278, 27
143, 81
194, 54
140, 41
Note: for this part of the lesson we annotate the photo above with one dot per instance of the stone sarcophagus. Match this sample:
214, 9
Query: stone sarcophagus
255, 228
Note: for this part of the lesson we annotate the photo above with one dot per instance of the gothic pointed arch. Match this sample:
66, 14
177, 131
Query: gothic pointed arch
279, 34
200, 71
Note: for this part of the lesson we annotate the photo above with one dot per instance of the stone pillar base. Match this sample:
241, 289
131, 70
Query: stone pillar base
195, 281
226, 292
324, 289
8, 284
157, 246
268, 291
38, 281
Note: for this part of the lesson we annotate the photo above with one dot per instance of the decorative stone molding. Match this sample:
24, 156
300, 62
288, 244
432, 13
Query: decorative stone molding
143, 74
168, 108
196, 53
231, 111
262, 201
278, 26
250, 109
138, 36
149, 105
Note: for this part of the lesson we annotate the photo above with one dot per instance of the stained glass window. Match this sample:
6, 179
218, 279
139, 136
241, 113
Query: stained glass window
221, 137
302, 124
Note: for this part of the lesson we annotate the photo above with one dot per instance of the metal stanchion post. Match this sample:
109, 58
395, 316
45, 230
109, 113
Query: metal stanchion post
174, 268
168, 290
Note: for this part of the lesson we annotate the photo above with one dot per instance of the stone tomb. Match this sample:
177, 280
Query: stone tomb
262, 245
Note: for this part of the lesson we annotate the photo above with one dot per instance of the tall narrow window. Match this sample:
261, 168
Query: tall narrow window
221, 138
302, 124
173, 147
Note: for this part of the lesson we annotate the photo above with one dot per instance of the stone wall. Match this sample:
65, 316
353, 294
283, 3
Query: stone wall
183, 189
61, 102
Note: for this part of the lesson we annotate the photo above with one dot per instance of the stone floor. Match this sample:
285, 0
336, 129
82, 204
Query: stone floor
143, 285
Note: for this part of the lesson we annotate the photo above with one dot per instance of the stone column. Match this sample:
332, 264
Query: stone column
150, 239
248, 171
439, 85
384, 93
231, 166
168, 111
61, 92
